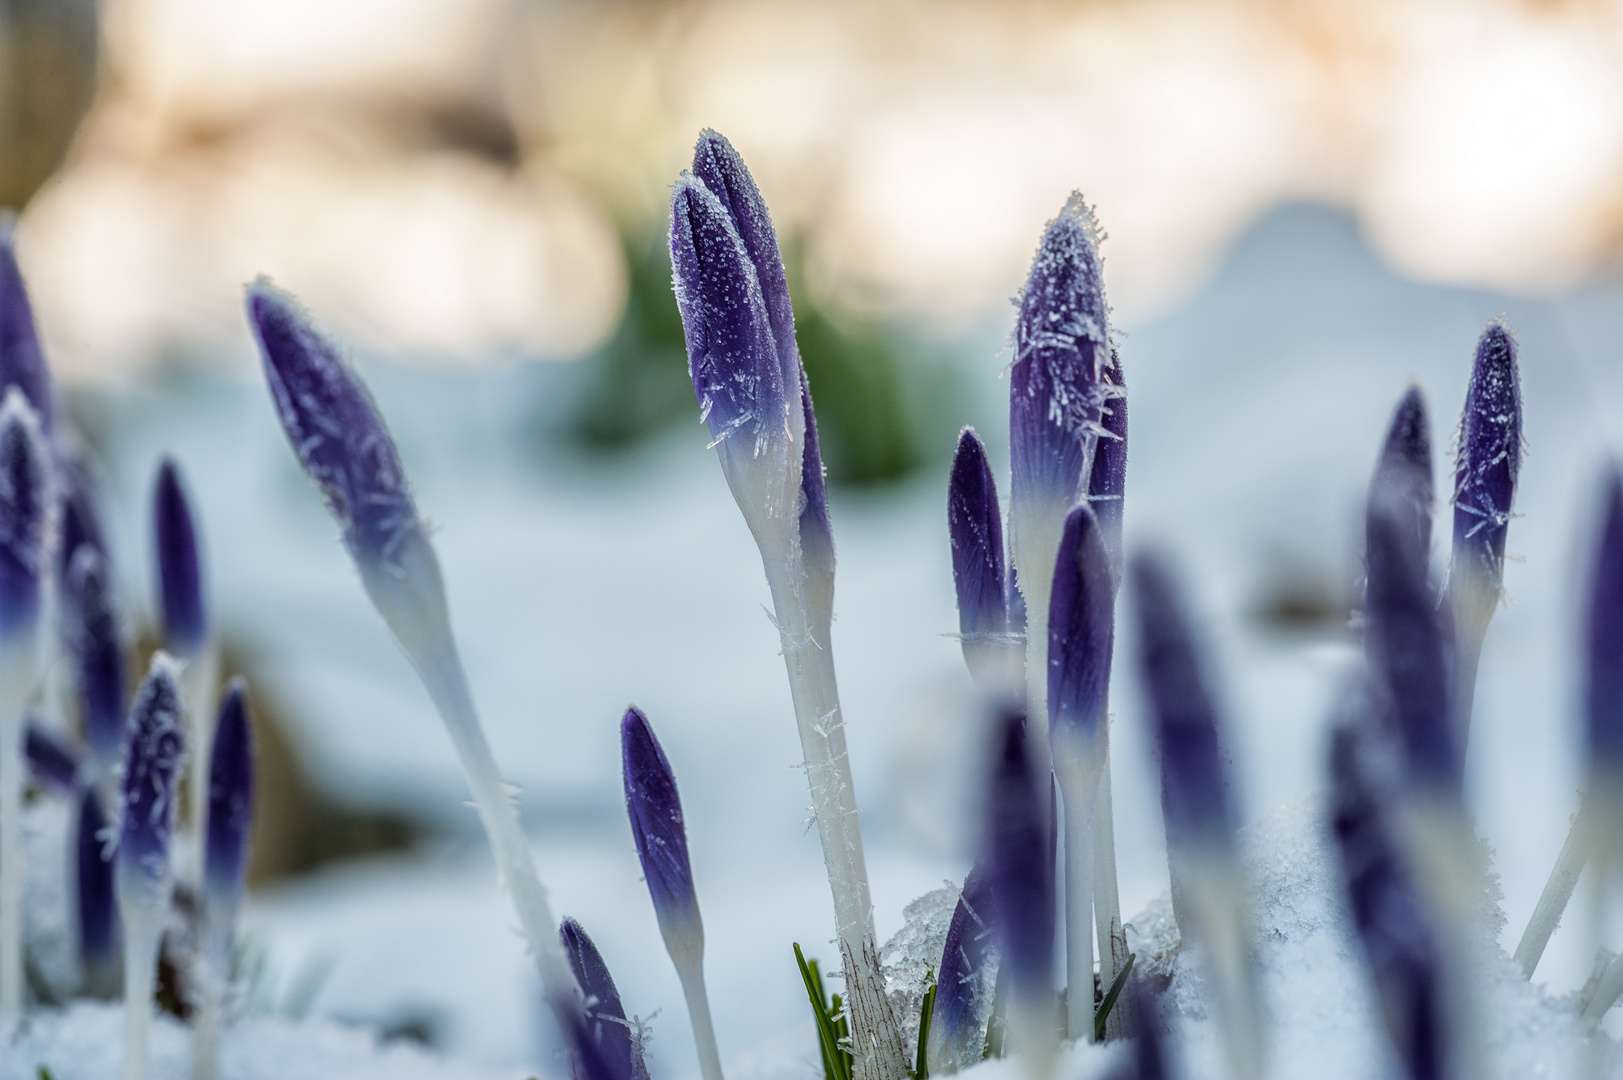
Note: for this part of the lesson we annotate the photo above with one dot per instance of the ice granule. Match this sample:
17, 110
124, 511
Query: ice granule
913, 953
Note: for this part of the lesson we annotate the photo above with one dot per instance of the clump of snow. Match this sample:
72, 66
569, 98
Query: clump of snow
49, 904
912, 956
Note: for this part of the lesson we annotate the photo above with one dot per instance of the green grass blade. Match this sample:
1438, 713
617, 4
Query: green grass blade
1111, 996
826, 1039
921, 1070
994, 1026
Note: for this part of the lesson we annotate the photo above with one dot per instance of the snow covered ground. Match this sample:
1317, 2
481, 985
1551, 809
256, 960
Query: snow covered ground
579, 587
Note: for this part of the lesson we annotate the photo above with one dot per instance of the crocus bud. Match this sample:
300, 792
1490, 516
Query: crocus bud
734, 362
1107, 483
1388, 914
335, 429
958, 1022
22, 364
1407, 651
1020, 873
180, 574
1081, 632
97, 914
975, 526
1490, 456
152, 759
1603, 689
24, 506
661, 837
98, 650
52, 760
1403, 478
1062, 344
1194, 791
231, 801
606, 1023
79, 524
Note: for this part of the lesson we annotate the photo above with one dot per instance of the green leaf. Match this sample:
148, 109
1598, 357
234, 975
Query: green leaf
1110, 997
831, 1026
921, 1070
45, 1073
994, 1026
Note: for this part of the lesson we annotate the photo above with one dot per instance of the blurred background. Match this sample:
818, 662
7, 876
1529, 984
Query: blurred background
1309, 203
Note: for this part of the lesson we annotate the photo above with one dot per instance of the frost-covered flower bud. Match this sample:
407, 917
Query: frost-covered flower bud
22, 364
231, 801
24, 510
335, 429
606, 1021
180, 570
1388, 914
79, 524
1062, 344
52, 760
1107, 483
97, 912
1081, 635
98, 650
153, 751
975, 527
962, 996
1603, 688
661, 837
1490, 457
734, 363
1020, 876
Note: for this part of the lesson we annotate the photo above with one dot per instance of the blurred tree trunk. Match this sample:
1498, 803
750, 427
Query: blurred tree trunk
48, 67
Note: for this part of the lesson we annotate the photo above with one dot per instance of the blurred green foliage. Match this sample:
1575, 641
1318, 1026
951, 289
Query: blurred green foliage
884, 402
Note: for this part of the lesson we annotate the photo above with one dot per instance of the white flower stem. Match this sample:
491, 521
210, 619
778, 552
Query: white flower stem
1552, 902
691, 972
411, 598
206, 1033
876, 1038
1106, 897
1079, 794
143, 926
16, 680
198, 679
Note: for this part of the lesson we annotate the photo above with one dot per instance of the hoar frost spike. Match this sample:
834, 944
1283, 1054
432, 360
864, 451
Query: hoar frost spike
25, 500
1080, 642
606, 1024
662, 846
1207, 889
1489, 458
1057, 394
152, 763
342, 442
739, 329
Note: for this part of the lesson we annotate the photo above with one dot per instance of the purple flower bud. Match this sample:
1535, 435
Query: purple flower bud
816, 535
1603, 692
657, 828
152, 760
180, 572
335, 429
231, 800
1062, 343
98, 916
22, 364
732, 356
975, 526
1107, 484
957, 1025
606, 1022
1490, 453
1194, 791
1403, 478
1020, 874
24, 505
80, 523
98, 650
1388, 915
1081, 632
1404, 639
1015, 602
52, 760
587, 1059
